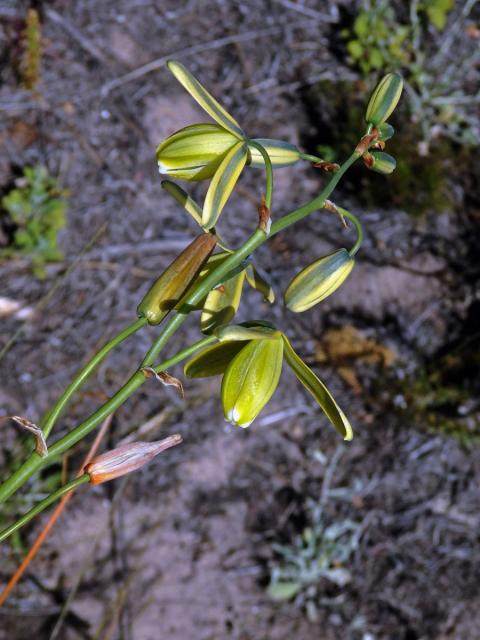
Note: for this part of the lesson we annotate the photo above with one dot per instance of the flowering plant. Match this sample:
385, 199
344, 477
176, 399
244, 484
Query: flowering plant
250, 355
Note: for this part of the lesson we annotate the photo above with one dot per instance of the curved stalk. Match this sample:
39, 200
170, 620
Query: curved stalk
51, 417
358, 228
43, 504
268, 170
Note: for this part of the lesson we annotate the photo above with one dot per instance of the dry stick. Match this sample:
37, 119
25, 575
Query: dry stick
53, 518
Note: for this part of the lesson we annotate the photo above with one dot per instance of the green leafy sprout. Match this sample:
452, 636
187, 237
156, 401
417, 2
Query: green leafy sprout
35, 209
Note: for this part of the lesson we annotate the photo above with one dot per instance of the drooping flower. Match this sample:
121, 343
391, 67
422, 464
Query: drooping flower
218, 151
318, 280
250, 357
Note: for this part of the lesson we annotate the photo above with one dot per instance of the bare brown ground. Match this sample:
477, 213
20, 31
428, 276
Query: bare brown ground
182, 549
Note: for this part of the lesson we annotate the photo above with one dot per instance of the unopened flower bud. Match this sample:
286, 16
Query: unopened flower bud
127, 458
384, 99
195, 152
251, 379
380, 162
385, 131
318, 280
166, 292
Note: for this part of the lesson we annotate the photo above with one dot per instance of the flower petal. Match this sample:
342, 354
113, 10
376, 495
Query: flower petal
242, 333
256, 281
204, 99
250, 380
318, 390
222, 184
222, 303
213, 360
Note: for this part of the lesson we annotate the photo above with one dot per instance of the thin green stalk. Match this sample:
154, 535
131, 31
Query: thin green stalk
46, 502
316, 203
268, 170
35, 462
309, 158
358, 228
51, 417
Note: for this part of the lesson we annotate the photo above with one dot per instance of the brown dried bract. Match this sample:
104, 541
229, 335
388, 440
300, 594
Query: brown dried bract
264, 220
40, 443
365, 142
331, 206
329, 167
165, 378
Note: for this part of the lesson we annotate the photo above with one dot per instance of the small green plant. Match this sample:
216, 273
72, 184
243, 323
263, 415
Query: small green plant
249, 356
321, 553
383, 37
35, 212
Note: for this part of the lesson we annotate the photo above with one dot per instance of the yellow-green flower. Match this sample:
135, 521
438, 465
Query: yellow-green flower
218, 151
250, 357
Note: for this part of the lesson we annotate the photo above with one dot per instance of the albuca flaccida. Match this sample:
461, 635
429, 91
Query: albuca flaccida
208, 277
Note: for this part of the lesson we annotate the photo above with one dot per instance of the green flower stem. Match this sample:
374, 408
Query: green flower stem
316, 203
309, 158
46, 502
35, 462
51, 417
268, 171
358, 228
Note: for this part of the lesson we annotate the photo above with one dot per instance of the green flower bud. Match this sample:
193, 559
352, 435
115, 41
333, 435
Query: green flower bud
250, 380
384, 99
166, 292
385, 131
381, 162
282, 154
195, 152
318, 280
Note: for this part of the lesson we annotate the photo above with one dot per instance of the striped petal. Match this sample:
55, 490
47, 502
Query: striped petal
250, 380
281, 154
204, 99
318, 390
222, 183
241, 332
